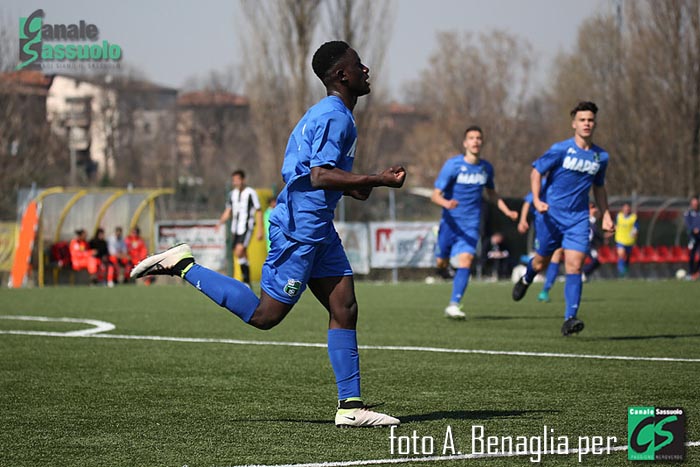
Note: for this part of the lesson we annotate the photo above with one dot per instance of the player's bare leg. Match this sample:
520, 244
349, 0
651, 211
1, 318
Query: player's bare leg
337, 295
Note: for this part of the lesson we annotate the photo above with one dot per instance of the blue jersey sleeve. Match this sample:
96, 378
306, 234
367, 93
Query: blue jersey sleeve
599, 179
548, 160
490, 175
528, 198
445, 178
328, 138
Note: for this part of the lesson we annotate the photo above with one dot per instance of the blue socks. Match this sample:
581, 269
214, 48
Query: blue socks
345, 360
225, 291
459, 285
530, 272
551, 276
621, 267
572, 294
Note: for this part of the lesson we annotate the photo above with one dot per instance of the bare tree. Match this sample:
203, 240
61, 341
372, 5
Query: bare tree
366, 25
225, 80
484, 81
29, 151
277, 37
9, 55
641, 65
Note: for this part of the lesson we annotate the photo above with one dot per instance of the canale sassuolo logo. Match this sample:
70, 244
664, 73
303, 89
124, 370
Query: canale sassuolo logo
79, 42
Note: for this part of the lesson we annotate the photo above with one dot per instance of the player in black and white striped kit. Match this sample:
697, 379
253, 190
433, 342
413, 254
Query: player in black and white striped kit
243, 204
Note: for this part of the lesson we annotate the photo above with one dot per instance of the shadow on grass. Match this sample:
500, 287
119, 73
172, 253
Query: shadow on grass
471, 415
504, 318
643, 338
431, 416
283, 420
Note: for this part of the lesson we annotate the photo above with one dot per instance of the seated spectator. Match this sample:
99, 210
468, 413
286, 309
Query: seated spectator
136, 248
497, 256
119, 255
99, 245
81, 256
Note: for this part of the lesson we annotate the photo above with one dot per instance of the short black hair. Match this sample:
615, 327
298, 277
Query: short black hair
238, 172
584, 106
327, 56
473, 128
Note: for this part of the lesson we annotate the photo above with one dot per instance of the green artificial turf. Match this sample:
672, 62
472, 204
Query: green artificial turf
96, 401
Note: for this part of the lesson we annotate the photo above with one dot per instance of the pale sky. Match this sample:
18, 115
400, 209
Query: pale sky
173, 40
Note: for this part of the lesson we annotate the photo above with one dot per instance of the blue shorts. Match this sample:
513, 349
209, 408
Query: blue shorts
627, 248
290, 264
551, 234
453, 241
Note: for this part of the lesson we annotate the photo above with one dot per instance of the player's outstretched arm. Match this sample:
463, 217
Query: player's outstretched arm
494, 197
223, 218
523, 225
333, 178
535, 185
441, 201
601, 199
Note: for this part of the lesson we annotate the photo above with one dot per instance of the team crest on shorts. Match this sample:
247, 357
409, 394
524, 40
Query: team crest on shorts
292, 287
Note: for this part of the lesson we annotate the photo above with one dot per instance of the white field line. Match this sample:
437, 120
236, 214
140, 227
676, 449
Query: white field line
408, 460
102, 326
99, 326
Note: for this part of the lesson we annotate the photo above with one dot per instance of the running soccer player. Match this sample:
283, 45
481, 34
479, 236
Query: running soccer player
692, 224
305, 247
571, 167
458, 190
626, 228
243, 204
553, 268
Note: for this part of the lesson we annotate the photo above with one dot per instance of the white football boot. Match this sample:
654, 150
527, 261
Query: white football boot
454, 311
172, 262
363, 417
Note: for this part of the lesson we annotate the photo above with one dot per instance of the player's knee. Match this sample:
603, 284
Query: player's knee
264, 320
540, 262
345, 315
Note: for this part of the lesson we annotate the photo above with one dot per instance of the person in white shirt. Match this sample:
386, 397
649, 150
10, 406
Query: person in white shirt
243, 206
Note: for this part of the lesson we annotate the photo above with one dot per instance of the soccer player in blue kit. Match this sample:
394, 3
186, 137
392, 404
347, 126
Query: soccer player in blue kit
458, 190
305, 248
553, 268
571, 167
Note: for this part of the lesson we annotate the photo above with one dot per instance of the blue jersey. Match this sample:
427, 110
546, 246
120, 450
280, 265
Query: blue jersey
325, 136
465, 183
570, 173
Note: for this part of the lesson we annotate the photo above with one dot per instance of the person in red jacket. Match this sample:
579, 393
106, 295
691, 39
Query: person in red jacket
136, 249
136, 246
81, 256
